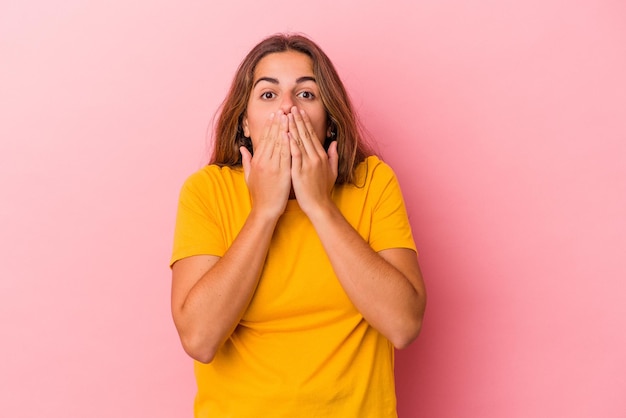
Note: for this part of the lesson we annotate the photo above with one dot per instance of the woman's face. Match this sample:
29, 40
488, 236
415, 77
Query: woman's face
283, 80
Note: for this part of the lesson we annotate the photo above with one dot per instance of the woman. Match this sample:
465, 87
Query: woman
294, 269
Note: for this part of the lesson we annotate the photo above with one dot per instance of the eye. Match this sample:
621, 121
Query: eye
267, 95
307, 95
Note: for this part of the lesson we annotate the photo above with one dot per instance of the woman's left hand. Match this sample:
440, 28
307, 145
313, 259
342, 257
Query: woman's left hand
313, 170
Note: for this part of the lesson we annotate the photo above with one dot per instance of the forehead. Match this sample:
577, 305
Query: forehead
287, 65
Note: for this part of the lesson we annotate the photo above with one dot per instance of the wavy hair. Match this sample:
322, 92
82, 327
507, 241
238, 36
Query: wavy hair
343, 122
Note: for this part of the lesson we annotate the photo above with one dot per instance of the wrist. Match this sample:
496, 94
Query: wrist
322, 212
264, 215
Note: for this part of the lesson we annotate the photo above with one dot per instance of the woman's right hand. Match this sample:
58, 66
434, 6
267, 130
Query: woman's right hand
268, 172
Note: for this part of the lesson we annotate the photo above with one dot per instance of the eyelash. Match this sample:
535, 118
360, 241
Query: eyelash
311, 95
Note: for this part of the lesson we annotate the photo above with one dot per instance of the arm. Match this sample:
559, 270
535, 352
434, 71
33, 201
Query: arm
210, 293
386, 287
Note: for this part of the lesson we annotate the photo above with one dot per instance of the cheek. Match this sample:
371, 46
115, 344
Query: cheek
255, 126
321, 126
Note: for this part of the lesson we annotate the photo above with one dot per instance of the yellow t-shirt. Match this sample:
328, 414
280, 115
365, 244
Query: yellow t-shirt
301, 349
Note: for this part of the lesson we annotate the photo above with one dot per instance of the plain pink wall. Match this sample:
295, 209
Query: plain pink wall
505, 122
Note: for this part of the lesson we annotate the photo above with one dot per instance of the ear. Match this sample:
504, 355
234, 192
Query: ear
244, 125
330, 129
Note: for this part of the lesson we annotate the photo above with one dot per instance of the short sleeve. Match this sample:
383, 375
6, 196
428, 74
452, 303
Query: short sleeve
197, 230
390, 224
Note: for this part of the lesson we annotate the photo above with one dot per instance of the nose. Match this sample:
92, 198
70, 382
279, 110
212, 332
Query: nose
286, 104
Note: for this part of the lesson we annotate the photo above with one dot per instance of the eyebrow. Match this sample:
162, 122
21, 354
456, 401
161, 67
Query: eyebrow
275, 81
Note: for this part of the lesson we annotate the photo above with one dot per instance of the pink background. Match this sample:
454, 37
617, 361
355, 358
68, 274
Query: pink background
504, 120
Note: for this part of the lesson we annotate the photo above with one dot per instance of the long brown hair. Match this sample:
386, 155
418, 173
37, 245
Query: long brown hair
342, 119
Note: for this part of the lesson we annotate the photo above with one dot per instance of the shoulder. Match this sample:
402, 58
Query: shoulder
374, 179
212, 177
373, 171
212, 172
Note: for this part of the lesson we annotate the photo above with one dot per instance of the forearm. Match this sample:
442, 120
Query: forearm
214, 305
391, 300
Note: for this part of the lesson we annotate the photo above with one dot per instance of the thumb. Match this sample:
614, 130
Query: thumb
245, 161
333, 158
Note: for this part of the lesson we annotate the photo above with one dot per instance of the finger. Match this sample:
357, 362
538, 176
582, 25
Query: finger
333, 158
275, 124
307, 132
285, 151
262, 147
269, 124
298, 124
245, 161
295, 149
294, 133
279, 139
